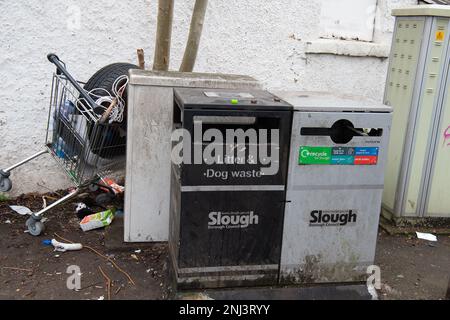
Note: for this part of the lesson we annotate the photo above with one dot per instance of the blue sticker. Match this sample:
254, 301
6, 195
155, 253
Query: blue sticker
343, 160
366, 151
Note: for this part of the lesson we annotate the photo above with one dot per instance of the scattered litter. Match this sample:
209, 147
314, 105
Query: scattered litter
97, 220
135, 257
63, 247
148, 270
8, 221
105, 257
57, 255
21, 210
116, 188
72, 190
426, 236
43, 220
138, 251
400, 276
101, 298
44, 201
82, 210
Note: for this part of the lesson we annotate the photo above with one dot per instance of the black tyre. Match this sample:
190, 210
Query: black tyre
108, 140
105, 77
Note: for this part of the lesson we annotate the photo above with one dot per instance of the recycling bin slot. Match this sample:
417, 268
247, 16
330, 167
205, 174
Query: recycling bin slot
224, 123
342, 132
250, 125
206, 120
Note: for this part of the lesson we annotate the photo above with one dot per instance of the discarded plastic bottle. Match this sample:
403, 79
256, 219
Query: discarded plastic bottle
62, 247
59, 148
62, 149
67, 109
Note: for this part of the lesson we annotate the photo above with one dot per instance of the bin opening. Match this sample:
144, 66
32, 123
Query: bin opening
341, 132
225, 120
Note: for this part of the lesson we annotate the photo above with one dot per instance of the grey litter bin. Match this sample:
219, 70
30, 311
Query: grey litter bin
334, 190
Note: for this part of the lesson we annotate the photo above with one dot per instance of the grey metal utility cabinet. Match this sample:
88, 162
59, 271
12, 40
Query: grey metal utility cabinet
150, 108
417, 174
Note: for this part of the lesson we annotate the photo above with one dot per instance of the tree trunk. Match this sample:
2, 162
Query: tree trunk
195, 33
163, 35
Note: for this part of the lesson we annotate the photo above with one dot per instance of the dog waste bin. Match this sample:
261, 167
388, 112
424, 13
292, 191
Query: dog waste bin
228, 190
335, 183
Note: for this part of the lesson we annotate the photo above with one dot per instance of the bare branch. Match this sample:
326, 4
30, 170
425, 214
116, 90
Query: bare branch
141, 58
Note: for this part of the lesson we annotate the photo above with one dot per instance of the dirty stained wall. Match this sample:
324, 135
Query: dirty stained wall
264, 39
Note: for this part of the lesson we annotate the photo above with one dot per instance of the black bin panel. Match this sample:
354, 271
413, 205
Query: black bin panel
230, 228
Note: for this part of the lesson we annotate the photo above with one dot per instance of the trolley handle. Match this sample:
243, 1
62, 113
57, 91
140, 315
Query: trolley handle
61, 68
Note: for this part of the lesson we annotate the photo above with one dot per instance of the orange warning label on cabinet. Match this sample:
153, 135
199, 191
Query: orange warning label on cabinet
440, 35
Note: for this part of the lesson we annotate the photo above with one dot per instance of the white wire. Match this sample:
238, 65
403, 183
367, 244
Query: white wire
118, 111
104, 96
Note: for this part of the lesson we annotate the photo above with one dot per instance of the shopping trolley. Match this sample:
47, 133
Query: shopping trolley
79, 137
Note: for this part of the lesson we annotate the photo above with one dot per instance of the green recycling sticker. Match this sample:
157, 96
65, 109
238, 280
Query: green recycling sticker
315, 155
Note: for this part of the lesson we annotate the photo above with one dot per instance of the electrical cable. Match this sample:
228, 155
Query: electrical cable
104, 97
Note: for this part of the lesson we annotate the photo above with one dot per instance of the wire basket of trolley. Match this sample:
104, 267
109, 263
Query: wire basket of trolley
85, 135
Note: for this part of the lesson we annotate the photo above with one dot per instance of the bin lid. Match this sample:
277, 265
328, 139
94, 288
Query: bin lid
189, 79
329, 102
434, 10
203, 98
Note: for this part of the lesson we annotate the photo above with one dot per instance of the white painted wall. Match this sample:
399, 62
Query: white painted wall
264, 39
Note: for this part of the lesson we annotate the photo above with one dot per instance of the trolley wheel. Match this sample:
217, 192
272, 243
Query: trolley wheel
93, 187
34, 226
104, 199
5, 184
